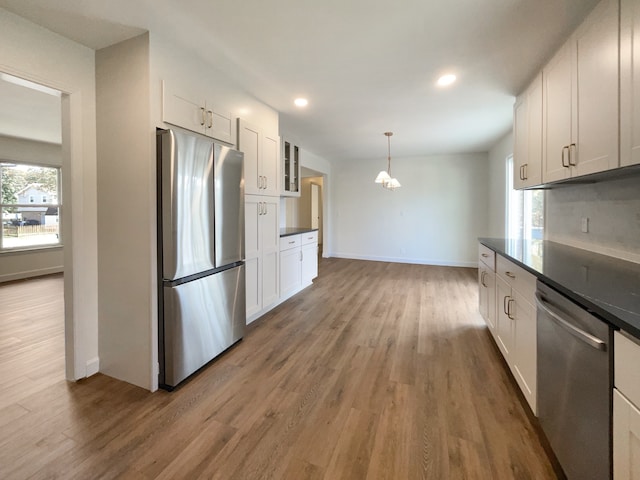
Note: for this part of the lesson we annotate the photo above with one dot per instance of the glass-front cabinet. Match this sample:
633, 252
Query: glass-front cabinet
290, 169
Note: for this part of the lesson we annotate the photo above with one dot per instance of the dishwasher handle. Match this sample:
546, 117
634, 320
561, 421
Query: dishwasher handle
572, 329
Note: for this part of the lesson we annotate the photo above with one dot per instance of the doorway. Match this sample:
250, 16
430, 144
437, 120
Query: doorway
32, 312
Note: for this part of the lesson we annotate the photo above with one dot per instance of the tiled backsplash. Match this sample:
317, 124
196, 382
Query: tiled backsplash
613, 210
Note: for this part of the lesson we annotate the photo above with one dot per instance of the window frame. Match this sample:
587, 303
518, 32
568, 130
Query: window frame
58, 205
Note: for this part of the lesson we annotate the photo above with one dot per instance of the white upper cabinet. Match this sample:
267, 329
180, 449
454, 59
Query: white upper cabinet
597, 112
630, 82
527, 130
580, 100
192, 111
290, 169
260, 159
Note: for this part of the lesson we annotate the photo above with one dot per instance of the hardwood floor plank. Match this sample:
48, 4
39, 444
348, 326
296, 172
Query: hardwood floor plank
376, 371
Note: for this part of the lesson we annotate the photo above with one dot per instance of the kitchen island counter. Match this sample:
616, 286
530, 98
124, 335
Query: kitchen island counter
288, 231
606, 286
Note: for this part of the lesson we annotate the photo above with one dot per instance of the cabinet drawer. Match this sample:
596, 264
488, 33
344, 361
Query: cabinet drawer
288, 242
626, 373
523, 281
309, 237
487, 256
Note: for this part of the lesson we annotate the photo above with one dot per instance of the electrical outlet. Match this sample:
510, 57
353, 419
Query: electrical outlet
584, 225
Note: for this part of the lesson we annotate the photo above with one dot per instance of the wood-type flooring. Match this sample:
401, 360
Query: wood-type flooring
376, 371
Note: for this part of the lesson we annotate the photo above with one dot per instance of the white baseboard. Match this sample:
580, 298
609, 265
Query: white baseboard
9, 277
415, 261
93, 366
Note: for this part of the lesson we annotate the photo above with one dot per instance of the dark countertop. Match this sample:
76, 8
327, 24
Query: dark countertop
285, 232
606, 286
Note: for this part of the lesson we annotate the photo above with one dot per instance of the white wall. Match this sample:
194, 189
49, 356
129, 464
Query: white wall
434, 218
497, 185
18, 265
613, 210
125, 211
37, 54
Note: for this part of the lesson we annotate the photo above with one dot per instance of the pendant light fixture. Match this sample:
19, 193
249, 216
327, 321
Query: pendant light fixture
384, 177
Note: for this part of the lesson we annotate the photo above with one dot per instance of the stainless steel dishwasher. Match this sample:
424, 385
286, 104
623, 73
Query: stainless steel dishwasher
575, 384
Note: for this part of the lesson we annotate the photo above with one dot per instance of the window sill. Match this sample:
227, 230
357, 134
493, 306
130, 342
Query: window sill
34, 249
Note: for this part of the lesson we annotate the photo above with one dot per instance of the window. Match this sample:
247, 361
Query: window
525, 210
26, 223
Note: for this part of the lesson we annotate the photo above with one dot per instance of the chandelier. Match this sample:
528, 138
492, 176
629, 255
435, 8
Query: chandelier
384, 177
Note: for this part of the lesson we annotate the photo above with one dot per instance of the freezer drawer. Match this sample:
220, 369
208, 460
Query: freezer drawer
202, 318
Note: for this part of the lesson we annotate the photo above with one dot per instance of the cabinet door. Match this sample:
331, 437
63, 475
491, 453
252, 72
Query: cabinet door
527, 130
532, 170
253, 262
504, 324
596, 106
490, 286
182, 109
557, 113
520, 140
218, 124
270, 234
290, 271
249, 142
629, 82
525, 347
626, 438
309, 263
483, 301
270, 164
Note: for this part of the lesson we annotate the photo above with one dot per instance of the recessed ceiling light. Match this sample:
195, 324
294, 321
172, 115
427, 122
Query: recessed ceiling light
446, 80
301, 102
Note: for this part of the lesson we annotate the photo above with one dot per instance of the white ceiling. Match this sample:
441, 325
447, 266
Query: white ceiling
366, 66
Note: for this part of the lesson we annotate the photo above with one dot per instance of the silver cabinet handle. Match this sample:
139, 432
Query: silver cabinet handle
202, 116
525, 175
210, 115
482, 278
484, 255
572, 329
504, 306
291, 243
565, 148
266, 183
572, 148
264, 204
509, 274
509, 312
522, 172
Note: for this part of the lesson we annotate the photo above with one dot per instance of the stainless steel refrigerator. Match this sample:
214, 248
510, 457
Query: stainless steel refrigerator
200, 252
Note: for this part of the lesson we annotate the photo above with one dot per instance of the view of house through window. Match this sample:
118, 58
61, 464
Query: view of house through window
30, 206
525, 210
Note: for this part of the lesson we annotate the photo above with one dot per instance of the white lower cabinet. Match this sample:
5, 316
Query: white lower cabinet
626, 438
298, 262
309, 263
626, 408
262, 236
290, 272
487, 286
516, 327
504, 323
